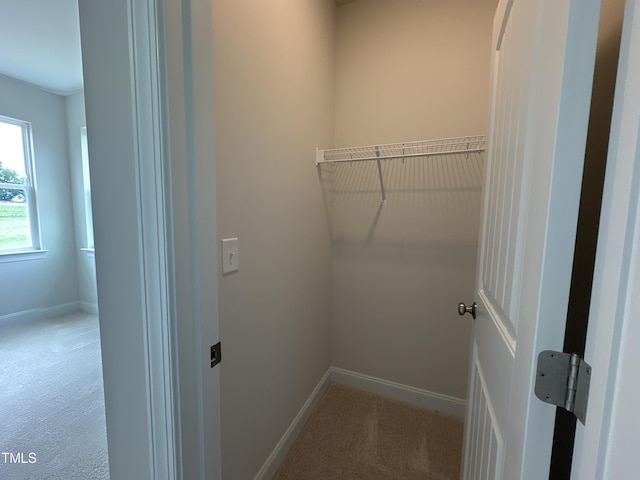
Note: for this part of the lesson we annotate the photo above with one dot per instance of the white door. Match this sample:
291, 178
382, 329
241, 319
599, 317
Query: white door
543, 57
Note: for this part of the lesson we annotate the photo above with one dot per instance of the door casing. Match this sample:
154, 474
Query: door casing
143, 136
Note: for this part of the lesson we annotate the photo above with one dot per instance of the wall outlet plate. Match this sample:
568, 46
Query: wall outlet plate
230, 257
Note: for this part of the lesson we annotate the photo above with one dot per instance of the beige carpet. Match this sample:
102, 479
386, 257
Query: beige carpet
355, 435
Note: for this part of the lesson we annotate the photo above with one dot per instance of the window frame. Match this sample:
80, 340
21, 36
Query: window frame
29, 187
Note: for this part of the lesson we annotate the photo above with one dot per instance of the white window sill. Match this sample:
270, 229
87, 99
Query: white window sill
6, 257
91, 252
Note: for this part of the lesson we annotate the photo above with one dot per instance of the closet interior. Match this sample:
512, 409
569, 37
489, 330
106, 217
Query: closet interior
352, 268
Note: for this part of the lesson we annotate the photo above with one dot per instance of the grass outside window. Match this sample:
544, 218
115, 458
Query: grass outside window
15, 231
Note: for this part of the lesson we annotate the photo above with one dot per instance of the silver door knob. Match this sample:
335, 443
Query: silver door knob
462, 309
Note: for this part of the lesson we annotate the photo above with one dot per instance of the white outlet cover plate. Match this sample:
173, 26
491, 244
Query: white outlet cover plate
230, 258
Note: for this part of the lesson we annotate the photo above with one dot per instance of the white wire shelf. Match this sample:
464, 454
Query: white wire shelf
423, 148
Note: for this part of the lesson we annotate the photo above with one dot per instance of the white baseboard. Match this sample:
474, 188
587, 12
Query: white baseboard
280, 451
87, 307
39, 313
397, 391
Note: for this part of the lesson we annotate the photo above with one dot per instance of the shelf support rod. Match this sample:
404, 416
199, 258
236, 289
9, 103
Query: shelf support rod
384, 195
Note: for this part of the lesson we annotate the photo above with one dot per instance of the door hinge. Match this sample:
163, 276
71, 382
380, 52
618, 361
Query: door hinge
216, 354
563, 379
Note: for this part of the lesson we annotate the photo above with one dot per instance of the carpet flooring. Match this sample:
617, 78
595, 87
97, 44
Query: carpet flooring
354, 435
52, 420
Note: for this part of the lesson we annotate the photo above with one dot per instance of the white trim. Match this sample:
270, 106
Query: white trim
7, 257
124, 88
90, 252
281, 450
154, 245
507, 338
34, 314
397, 391
87, 307
187, 34
189, 70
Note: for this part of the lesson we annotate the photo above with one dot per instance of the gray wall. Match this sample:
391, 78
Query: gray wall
51, 281
87, 292
408, 70
274, 92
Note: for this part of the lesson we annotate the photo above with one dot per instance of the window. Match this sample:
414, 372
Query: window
86, 181
18, 213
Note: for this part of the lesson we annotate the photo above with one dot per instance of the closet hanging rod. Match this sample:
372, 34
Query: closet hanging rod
424, 148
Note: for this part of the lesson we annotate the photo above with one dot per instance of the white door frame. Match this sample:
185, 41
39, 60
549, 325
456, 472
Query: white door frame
188, 67
140, 121
606, 446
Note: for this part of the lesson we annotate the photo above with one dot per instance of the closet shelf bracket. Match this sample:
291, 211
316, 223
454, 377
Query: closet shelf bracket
384, 195
424, 149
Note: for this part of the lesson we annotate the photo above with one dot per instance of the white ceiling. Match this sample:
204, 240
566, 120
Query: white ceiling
40, 43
